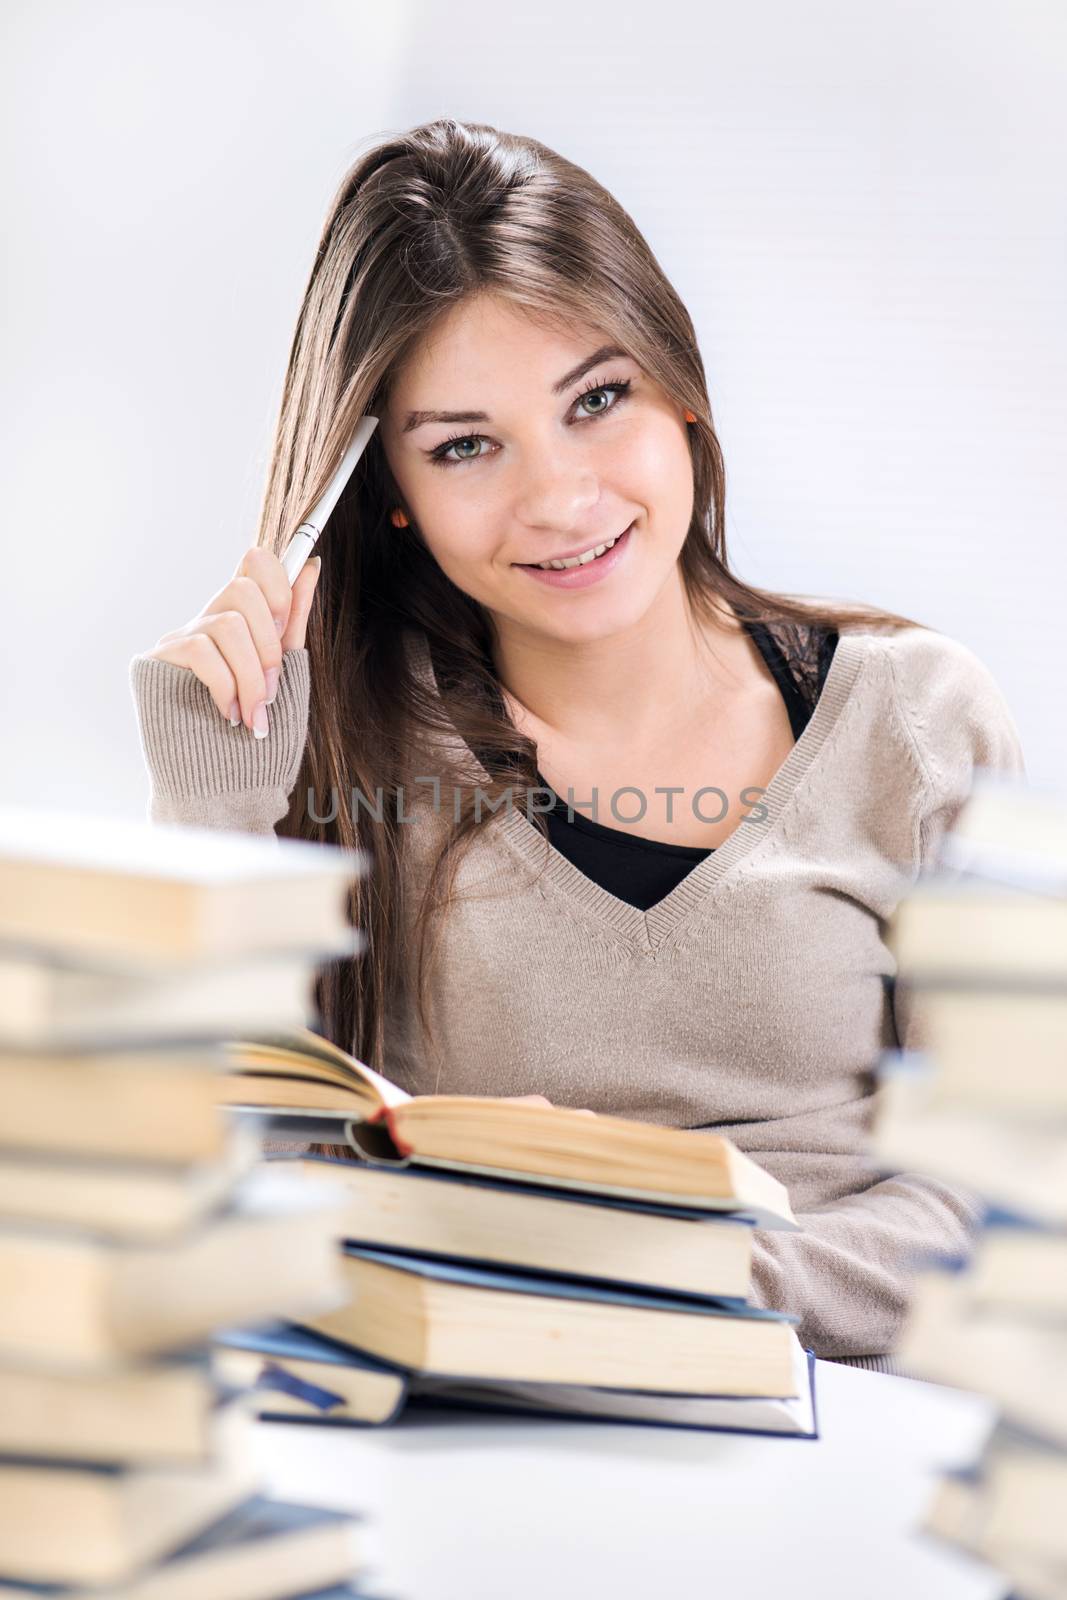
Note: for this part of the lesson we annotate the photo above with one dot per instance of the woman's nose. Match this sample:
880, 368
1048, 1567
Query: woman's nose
555, 494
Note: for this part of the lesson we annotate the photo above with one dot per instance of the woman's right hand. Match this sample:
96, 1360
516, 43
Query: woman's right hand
235, 645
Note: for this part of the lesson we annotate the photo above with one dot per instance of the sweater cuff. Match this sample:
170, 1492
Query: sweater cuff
205, 771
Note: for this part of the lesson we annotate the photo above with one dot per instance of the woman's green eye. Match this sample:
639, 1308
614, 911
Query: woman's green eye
591, 395
442, 456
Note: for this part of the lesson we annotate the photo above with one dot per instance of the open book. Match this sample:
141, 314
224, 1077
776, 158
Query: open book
301, 1079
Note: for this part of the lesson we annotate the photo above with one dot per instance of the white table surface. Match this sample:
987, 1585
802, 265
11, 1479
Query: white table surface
481, 1507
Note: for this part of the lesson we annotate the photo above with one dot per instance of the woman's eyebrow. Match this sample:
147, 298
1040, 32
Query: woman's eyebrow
607, 352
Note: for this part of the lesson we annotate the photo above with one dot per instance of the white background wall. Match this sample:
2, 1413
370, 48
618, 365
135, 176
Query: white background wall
863, 206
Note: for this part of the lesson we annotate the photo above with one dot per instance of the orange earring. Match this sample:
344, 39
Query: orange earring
397, 517
689, 417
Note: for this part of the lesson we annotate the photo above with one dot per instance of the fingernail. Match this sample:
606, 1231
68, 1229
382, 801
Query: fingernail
279, 623
272, 684
235, 715
259, 721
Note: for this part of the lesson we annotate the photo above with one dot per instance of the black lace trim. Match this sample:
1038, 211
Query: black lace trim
807, 650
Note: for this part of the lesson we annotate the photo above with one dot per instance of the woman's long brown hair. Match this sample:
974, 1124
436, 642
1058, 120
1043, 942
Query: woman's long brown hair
421, 222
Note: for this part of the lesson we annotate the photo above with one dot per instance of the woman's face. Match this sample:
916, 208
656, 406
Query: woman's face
557, 462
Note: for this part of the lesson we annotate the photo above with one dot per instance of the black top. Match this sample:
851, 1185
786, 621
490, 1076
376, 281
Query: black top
643, 871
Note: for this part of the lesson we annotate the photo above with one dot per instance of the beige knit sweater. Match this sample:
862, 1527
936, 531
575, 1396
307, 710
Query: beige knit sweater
754, 999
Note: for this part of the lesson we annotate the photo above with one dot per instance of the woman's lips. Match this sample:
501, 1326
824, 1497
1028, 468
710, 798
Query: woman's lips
589, 572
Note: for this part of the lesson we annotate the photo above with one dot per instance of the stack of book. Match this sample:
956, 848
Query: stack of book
981, 946
134, 1218
521, 1257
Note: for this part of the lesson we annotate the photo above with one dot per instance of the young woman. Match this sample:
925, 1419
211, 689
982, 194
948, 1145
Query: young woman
769, 774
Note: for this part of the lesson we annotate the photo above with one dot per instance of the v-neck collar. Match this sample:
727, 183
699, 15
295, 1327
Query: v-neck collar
648, 930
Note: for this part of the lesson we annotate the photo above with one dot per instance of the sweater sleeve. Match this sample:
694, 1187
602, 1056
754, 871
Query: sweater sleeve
203, 771
206, 773
848, 1274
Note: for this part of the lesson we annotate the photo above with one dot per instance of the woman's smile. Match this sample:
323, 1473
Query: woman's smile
585, 570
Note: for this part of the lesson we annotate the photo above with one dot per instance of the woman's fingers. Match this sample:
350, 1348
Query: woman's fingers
235, 645
199, 654
230, 631
302, 597
266, 570
244, 598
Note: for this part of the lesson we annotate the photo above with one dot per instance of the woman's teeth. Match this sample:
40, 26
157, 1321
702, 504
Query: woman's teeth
578, 561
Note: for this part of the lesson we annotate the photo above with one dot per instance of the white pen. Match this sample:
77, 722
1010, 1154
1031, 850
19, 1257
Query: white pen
304, 540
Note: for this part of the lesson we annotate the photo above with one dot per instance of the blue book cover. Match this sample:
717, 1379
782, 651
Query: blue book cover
256, 1521
343, 1593
997, 1216
279, 1342
260, 1519
512, 1281
288, 1340
787, 1419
